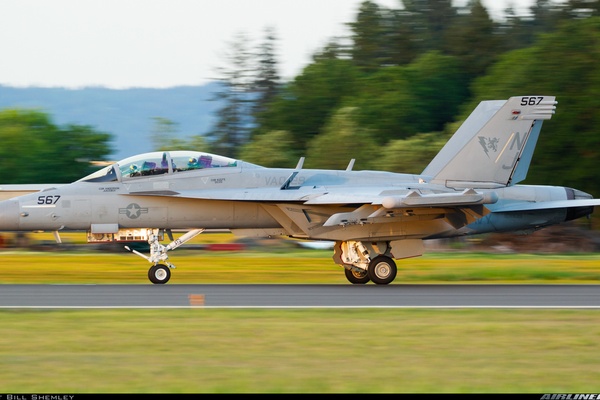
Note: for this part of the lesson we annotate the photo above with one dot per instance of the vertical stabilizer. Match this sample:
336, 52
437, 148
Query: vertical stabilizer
494, 146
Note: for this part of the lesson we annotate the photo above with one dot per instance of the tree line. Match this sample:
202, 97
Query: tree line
389, 95
392, 93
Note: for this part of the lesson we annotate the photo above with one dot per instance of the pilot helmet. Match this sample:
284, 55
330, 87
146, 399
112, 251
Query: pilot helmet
193, 160
133, 167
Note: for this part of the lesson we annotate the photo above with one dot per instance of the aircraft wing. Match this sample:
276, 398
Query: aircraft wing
400, 198
408, 198
240, 194
371, 204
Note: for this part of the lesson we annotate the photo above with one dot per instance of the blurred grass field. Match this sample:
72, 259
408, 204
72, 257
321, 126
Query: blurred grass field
301, 266
297, 351
278, 261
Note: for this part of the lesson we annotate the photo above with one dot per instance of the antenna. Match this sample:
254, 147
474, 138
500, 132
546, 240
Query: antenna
350, 165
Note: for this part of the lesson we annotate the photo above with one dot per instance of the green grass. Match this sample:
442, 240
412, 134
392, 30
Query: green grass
297, 351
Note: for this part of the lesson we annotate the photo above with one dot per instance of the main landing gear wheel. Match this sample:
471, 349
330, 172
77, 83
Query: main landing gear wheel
382, 270
357, 277
159, 274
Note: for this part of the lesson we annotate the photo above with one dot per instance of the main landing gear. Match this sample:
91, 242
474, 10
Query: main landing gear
160, 272
364, 262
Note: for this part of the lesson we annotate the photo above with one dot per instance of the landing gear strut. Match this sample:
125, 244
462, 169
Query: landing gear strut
366, 261
160, 272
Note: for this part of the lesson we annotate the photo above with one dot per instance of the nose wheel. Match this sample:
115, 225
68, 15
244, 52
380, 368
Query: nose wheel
159, 274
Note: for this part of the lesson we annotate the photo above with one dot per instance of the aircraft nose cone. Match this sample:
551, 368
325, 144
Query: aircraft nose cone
9, 215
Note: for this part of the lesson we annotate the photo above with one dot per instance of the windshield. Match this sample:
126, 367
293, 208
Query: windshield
106, 174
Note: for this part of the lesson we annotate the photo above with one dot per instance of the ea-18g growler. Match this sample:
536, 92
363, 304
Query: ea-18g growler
371, 217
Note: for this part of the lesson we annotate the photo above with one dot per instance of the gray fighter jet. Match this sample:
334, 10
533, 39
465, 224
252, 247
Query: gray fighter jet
372, 217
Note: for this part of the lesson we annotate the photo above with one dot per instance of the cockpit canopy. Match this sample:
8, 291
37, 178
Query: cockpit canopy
158, 163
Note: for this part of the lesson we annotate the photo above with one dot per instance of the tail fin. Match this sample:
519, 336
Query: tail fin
494, 146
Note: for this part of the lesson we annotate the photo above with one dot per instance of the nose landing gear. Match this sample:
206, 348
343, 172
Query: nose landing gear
160, 272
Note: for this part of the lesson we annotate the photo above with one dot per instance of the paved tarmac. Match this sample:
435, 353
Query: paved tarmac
299, 296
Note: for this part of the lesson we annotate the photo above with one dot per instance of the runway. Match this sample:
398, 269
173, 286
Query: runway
299, 296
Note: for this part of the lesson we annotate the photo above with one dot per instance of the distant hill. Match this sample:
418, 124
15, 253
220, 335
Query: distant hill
125, 113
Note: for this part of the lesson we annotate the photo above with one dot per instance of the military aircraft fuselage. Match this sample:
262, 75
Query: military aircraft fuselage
156, 202
133, 203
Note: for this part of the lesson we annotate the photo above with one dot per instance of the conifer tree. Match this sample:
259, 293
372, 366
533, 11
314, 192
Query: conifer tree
267, 82
234, 118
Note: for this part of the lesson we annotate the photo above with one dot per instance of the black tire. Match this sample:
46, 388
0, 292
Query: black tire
159, 274
357, 278
382, 270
